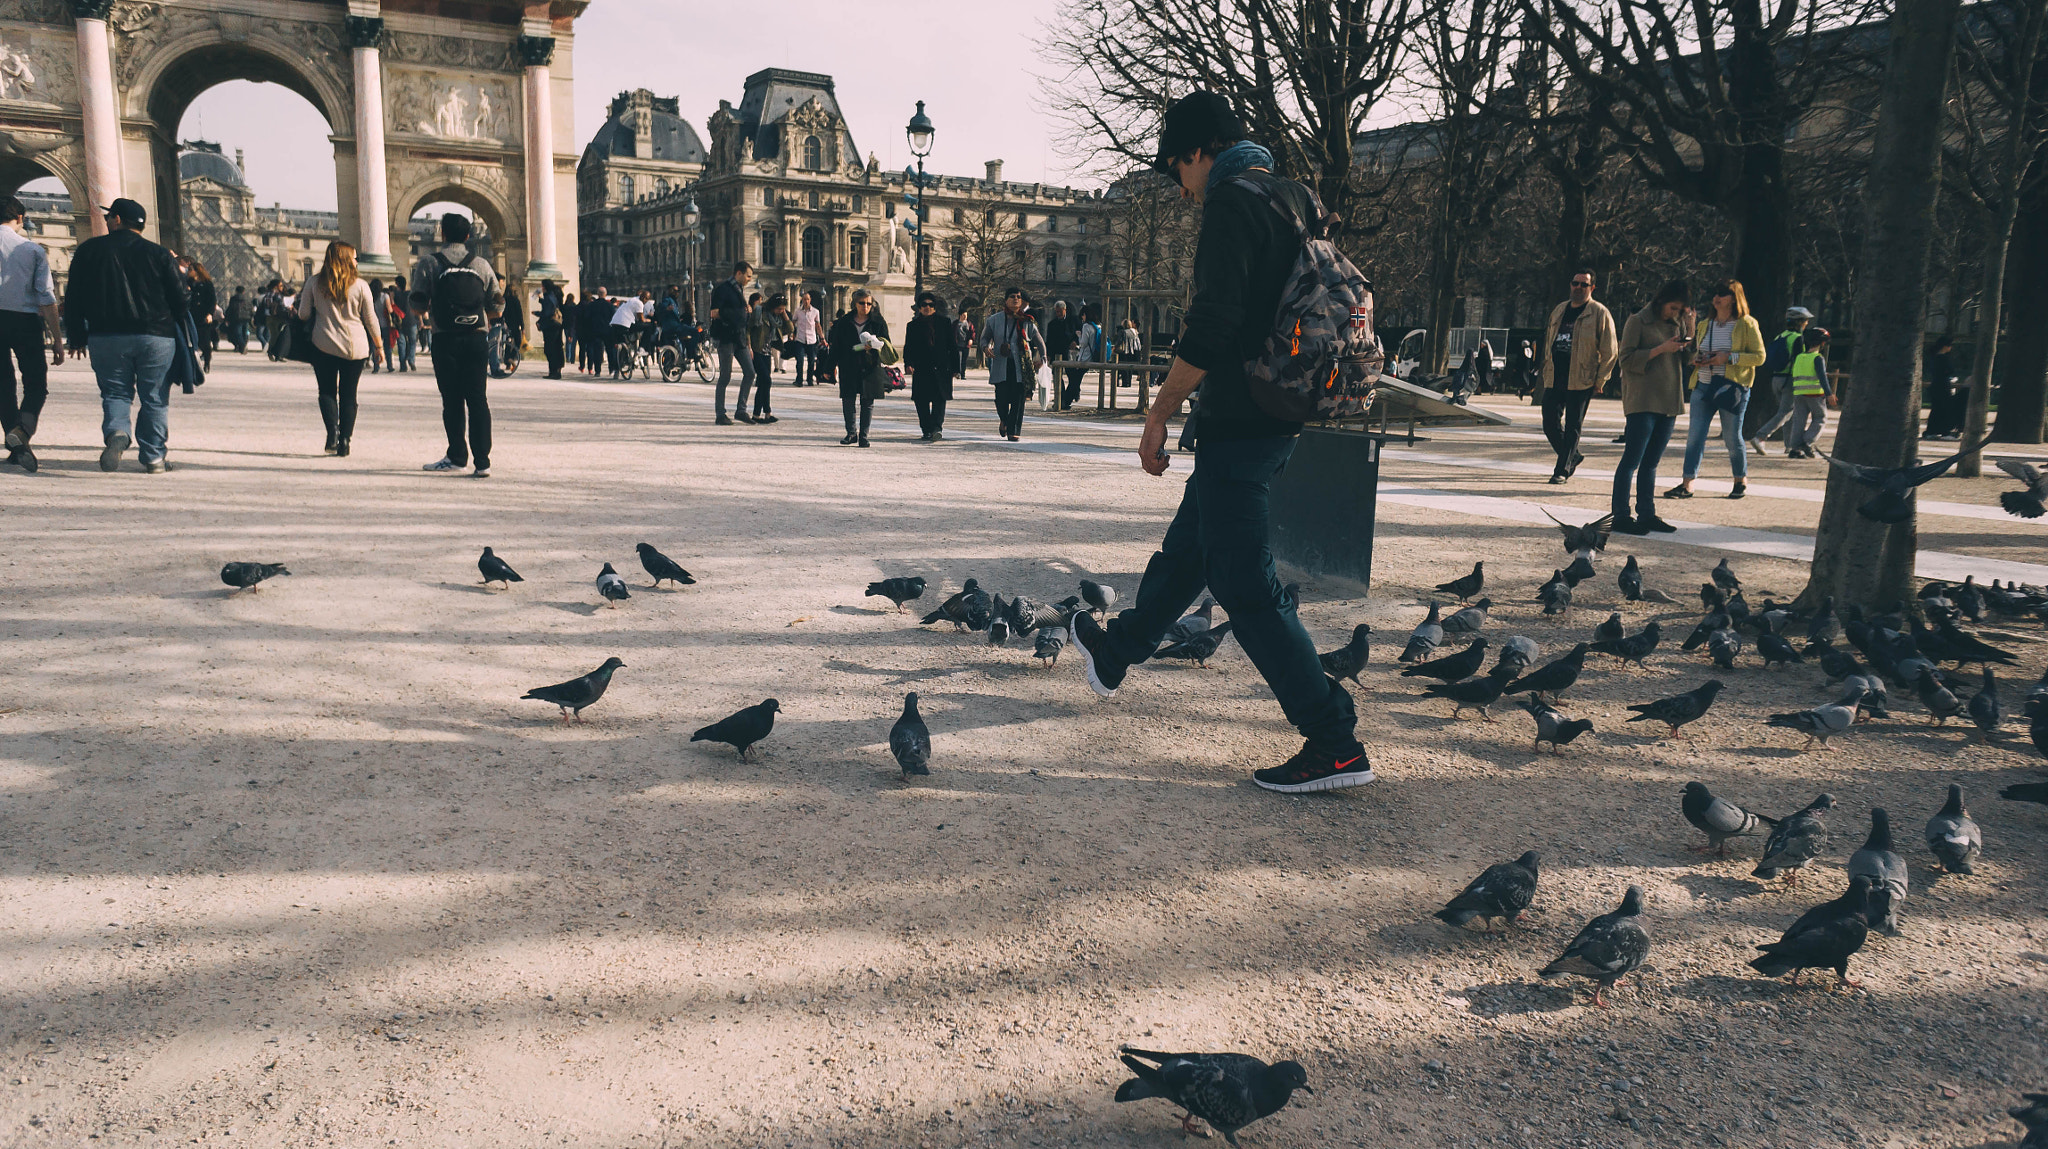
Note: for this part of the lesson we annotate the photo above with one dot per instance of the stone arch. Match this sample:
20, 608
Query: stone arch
496, 214
62, 163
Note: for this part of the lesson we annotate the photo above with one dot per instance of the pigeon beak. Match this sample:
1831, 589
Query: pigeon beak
1305, 1088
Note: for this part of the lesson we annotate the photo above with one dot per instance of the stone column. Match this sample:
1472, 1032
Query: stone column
101, 111
373, 208
537, 52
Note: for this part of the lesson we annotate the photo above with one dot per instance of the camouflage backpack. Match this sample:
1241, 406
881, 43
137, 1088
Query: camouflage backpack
1323, 359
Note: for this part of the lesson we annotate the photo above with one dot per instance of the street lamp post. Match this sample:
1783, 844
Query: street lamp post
690, 218
919, 132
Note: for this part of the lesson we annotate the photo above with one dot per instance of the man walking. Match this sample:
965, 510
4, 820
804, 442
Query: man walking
549, 318
1061, 333
729, 330
236, 316
1219, 536
122, 303
1778, 364
1583, 348
808, 330
457, 291
28, 309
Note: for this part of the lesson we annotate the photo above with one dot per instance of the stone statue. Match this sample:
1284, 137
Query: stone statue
17, 74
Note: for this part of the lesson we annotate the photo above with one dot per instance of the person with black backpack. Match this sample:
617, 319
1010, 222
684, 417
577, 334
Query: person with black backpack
1256, 243
457, 291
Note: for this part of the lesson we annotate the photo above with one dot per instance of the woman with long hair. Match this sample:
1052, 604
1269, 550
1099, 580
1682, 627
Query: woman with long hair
343, 317
1653, 343
205, 307
1728, 347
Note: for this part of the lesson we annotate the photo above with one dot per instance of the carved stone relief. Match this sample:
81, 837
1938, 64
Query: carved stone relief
36, 67
453, 52
36, 11
141, 28
451, 109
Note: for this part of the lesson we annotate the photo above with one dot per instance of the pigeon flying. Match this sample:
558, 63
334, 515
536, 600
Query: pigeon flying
898, 590
1228, 1090
1953, 838
577, 693
1501, 893
1591, 537
245, 576
1679, 709
910, 741
743, 729
1347, 660
1201, 648
1465, 586
1879, 862
495, 569
660, 567
1796, 840
1824, 937
1611, 947
611, 586
1718, 818
1552, 726
2032, 502
1893, 502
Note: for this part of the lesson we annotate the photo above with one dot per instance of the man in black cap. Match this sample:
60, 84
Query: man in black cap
1218, 538
122, 303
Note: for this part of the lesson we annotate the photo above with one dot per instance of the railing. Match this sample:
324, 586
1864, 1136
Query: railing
1105, 387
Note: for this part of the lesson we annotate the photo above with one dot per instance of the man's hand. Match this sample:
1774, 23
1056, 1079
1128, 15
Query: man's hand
57, 355
1152, 448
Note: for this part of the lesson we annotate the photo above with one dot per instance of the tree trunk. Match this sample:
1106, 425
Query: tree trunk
1763, 258
2023, 369
1855, 559
1446, 261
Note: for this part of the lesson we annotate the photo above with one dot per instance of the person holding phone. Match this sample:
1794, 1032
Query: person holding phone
1654, 346
1728, 347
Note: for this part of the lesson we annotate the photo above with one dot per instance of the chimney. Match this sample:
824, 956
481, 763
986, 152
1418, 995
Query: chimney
238, 164
995, 171
642, 105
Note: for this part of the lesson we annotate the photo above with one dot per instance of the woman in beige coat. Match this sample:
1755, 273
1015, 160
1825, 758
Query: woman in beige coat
343, 316
1653, 344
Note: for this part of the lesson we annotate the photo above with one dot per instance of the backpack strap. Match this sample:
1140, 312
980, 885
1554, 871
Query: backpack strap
1279, 204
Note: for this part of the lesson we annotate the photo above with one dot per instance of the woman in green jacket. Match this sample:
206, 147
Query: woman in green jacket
1728, 345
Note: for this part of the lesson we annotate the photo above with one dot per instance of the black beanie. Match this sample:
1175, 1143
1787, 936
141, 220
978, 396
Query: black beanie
1193, 120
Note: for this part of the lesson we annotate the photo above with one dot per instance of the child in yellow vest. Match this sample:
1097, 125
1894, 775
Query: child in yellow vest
1812, 394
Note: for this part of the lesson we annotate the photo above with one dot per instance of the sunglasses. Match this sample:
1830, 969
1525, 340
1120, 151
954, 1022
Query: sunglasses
1581, 283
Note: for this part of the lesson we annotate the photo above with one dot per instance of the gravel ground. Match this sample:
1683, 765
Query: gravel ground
297, 867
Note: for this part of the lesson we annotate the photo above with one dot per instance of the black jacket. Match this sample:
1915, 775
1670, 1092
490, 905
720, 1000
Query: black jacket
929, 353
1243, 257
122, 284
852, 364
729, 300
1060, 334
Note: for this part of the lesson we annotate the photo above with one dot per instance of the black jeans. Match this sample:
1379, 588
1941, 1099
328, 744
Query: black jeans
337, 378
462, 371
1643, 444
761, 376
931, 415
21, 339
1219, 539
551, 342
1564, 413
849, 402
1072, 394
1010, 408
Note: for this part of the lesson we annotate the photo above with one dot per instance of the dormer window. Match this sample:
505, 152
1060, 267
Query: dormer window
814, 154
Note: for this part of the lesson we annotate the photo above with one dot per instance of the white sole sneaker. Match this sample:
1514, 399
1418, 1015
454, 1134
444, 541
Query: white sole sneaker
1333, 782
1087, 660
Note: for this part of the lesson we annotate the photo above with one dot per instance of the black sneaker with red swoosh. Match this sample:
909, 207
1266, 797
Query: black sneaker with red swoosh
1315, 768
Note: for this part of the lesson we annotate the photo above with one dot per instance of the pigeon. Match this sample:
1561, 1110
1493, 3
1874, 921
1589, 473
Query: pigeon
1553, 727
1347, 660
1470, 619
577, 693
1631, 579
898, 590
1500, 893
1591, 537
1879, 862
2033, 1115
1717, 619
1712, 598
2032, 502
909, 740
611, 586
1984, 708
1679, 709
1723, 646
1941, 703
1796, 840
1777, 651
1427, 636
1227, 1090
2026, 792
959, 609
1969, 598
662, 568
1465, 586
998, 631
1201, 648
1190, 624
1048, 645
1824, 937
495, 569
1718, 818
1579, 570
1953, 838
1451, 667
1555, 595
1724, 577
1476, 693
1836, 663
1520, 652
1553, 677
246, 576
1823, 626
1608, 631
1636, 647
743, 729
980, 609
1608, 949
1099, 596
1876, 702
1893, 502
1028, 617
1961, 648
1822, 722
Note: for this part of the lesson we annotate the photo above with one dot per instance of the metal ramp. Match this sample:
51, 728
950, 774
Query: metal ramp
1402, 402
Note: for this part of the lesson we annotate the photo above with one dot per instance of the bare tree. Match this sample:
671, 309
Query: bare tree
1855, 558
982, 254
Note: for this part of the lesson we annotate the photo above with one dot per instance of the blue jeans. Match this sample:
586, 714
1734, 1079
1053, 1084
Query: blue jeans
132, 367
1643, 443
1219, 539
1731, 433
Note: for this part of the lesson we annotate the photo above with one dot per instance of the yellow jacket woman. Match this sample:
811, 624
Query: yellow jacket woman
1727, 345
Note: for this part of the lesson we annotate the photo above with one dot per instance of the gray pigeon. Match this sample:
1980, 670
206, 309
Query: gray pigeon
1552, 726
1193, 624
1582, 540
1718, 818
1049, 642
1099, 596
1879, 862
1519, 650
495, 569
1427, 636
1555, 595
246, 576
1679, 709
1347, 660
1822, 722
1725, 578
1876, 701
1201, 648
578, 693
1954, 839
910, 740
1984, 708
1724, 646
1500, 893
1228, 1090
1941, 703
1470, 619
611, 586
1611, 947
1796, 840
1609, 631
2032, 502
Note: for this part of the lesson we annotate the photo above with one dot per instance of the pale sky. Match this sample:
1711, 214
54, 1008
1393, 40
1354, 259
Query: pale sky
972, 64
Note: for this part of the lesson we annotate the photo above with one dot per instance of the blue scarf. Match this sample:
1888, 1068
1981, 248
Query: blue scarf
1236, 160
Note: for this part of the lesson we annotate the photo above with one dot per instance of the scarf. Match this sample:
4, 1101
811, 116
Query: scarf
1237, 159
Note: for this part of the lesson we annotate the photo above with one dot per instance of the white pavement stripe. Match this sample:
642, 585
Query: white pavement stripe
1774, 544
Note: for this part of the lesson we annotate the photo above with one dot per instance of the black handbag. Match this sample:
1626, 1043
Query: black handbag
298, 339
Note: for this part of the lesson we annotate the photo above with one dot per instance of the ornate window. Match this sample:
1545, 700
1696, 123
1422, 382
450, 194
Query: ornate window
814, 154
626, 188
814, 248
857, 251
768, 248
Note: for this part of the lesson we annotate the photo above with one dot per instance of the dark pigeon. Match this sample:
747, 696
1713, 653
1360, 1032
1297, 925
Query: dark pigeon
743, 729
1836, 663
1047, 645
1609, 630
1984, 708
577, 694
1962, 648
1631, 580
1451, 667
1347, 660
1712, 598
611, 586
662, 568
910, 740
1893, 502
1190, 625
1724, 646
1777, 651
1591, 537
998, 630
1611, 947
1465, 586
1028, 617
1953, 837
1724, 577
1227, 1090
1824, 625
1717, 619
2026, 792
1555, 595
1201, 648
246, 576
1796, 840
1427, 636
1099, 596
898, 590
960, 608
1679, 709
1552, 726
1473, 693
1636, 647
1554, 677
1578, 570
2032, 501
2033, 1115
495, 569
1824, 937
1889, 881
1718, 818
1500, 893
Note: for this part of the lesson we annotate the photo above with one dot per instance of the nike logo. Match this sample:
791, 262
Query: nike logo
1348, 761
